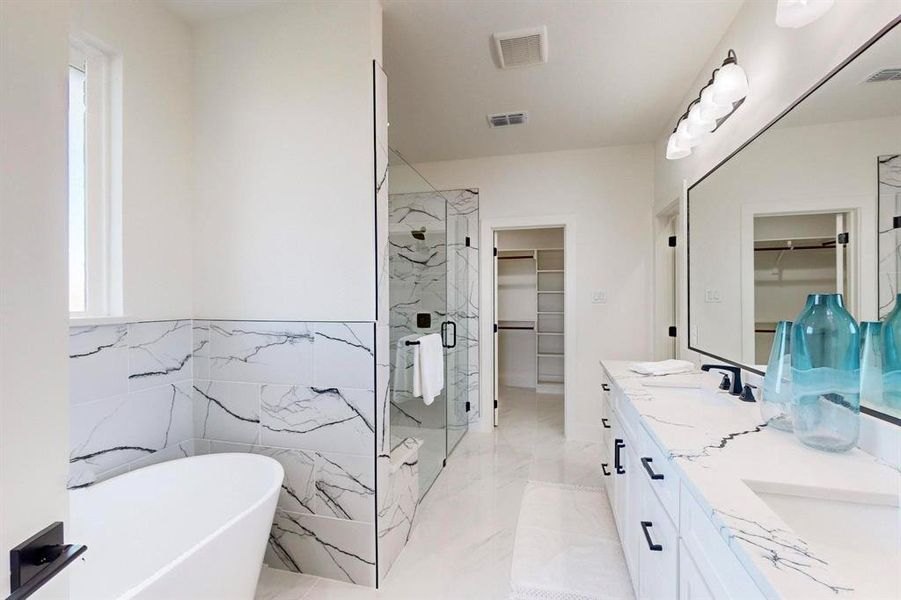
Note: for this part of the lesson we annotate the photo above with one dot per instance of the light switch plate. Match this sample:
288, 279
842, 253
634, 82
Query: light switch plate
599, 297
712, 295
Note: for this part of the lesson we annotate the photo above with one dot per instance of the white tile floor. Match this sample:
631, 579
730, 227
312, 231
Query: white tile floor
463, 543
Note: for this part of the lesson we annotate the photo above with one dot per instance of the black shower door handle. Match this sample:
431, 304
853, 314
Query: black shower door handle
444, 334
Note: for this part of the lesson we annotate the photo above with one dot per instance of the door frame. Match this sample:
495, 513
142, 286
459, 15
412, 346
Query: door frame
487, 228
864, 277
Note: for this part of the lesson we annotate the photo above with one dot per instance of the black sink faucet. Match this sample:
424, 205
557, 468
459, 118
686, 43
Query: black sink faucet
735, 386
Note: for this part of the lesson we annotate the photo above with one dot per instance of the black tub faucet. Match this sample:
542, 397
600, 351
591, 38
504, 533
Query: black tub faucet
735, 387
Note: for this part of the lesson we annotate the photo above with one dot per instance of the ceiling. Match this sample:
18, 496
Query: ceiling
199, 11
846, 97
616, 72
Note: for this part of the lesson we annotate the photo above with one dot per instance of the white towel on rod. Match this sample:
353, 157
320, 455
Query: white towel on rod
428, 367
403, 369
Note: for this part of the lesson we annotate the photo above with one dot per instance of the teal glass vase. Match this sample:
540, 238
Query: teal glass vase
776, 400
825, 355
891, 358
871, 363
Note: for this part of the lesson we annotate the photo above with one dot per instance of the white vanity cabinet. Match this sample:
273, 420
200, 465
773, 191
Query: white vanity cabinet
671, 547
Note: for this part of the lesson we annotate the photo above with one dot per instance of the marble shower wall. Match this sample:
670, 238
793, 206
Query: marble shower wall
889, 237
130, 389
438, 276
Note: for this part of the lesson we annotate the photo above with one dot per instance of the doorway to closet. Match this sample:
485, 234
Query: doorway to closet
530, 315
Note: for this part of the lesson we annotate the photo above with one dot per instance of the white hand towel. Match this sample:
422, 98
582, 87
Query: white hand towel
428, 368
403, 369
663, 367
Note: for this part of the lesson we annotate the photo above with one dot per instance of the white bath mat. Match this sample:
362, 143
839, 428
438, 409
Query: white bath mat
566, 546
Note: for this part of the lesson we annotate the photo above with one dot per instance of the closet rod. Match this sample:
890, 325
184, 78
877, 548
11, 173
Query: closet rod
790, 248
514, 257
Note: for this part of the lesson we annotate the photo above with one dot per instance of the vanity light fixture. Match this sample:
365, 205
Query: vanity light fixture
723, 94
794, 14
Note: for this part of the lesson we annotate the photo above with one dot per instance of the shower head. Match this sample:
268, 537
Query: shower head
419, 234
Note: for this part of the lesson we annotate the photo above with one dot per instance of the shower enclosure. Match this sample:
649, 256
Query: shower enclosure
433, 288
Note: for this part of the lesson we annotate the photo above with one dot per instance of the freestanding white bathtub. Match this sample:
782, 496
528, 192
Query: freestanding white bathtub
189, 529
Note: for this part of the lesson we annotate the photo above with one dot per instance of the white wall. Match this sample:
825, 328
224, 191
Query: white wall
154, 48
781, 65
34, 410
284, 222
787, 169
608, 193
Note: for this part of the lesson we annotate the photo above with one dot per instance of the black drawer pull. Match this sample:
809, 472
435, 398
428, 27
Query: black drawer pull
617, 446
604, 469
605, 387
606, 423
645, 461
645, 525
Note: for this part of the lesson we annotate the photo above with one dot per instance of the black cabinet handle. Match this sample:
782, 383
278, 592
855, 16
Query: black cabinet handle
605, 387
604, 469
617, 446
646, 463
645, 525
606, 423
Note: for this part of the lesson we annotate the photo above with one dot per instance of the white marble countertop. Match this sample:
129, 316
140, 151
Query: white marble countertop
720, 445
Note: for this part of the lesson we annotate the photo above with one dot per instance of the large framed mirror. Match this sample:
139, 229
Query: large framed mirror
811, 204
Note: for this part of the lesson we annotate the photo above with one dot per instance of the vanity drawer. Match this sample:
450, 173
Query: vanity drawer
660, 474
658, 543
722, 573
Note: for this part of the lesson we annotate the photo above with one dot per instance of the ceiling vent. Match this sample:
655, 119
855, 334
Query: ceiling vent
521, 48
892, 74
507, 119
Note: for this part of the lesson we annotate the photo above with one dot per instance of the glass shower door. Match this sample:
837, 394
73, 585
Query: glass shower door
457, 331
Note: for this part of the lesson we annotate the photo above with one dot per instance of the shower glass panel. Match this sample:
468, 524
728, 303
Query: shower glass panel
428, 261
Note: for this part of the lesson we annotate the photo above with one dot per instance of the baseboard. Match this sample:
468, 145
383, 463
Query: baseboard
518, 380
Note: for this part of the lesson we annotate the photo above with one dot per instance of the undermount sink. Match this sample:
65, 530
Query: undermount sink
859, 535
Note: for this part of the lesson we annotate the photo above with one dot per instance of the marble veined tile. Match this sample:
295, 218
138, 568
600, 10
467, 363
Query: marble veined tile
343, 355
333, 548
398, 500
261, 352
201, 342
227, 411
158, 353
298, 493
345, 487
112, 432
321, 419
98, 362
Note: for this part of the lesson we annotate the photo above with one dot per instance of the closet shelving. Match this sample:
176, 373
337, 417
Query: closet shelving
549, 263
548, 326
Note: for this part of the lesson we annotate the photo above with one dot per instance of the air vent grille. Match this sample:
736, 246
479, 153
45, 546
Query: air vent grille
893, 74
507, 119
521, 48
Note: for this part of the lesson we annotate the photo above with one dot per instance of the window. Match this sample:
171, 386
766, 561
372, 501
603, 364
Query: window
94, 185
77, 270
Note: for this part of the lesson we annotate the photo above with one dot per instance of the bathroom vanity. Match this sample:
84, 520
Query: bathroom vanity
710, 503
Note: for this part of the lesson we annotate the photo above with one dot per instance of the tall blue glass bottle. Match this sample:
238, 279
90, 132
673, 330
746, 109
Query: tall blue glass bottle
891, 357
871, 363
825, 348
775, 402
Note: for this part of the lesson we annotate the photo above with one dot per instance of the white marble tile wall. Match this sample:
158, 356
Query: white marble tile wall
130, 393
304, 394
889, 175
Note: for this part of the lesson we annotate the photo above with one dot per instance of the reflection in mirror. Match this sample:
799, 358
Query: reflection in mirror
812, 205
